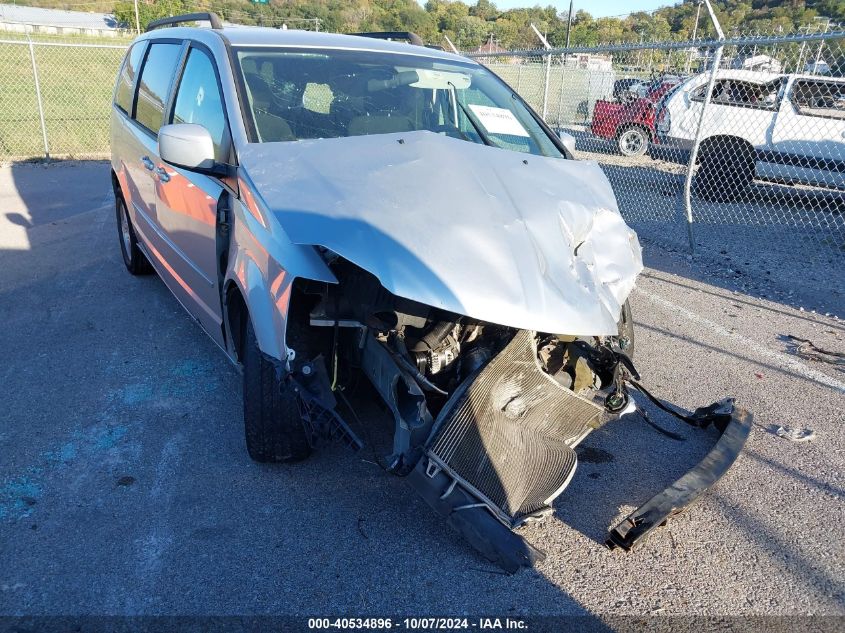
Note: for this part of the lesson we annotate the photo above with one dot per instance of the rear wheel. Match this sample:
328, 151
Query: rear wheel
273, 426
135, 261
633, 141
725, 169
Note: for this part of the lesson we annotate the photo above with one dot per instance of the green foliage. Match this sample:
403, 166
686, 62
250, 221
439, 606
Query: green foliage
470, 25
147, 12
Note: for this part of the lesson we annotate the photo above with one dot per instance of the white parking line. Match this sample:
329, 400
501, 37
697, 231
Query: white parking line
778, 358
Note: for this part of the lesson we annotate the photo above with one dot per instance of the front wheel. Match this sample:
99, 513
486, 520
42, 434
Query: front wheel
273, 426
633, 142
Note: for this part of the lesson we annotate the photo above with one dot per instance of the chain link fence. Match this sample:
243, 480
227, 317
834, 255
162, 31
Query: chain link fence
735, 147
55, 98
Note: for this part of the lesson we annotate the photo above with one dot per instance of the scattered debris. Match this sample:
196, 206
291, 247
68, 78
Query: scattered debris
808, 350
125, 480
795, 434
361, 528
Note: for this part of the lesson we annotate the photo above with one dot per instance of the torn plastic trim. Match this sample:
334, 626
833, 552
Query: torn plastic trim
402, 395
681, 494
316, 402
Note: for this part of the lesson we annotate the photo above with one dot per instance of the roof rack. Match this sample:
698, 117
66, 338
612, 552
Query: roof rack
213, 18
412, 38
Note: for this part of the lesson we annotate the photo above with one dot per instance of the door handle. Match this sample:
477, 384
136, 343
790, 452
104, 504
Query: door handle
162, 174
147, 163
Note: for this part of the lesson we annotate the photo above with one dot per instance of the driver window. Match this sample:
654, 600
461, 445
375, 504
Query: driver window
198, 101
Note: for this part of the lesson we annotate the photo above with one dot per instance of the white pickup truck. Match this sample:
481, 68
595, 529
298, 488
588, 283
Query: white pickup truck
783, 127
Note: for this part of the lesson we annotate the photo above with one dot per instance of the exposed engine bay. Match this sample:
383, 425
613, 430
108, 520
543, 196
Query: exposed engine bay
485, 417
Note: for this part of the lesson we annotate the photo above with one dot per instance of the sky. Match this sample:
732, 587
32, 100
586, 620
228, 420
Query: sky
596, 8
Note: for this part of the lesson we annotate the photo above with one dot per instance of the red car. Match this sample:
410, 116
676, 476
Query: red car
631, 122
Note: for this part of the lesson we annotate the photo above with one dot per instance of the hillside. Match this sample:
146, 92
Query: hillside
470, 25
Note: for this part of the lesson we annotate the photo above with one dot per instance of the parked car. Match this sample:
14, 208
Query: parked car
784, 127
333, 210
631, 122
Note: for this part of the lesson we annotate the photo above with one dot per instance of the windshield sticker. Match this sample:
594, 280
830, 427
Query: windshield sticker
498, 120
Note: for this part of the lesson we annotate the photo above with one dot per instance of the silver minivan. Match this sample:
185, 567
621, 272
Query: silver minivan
338, 211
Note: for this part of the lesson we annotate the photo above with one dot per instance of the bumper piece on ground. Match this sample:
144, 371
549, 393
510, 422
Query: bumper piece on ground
677, 497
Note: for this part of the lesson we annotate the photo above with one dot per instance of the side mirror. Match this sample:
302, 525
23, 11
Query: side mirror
187, 145
568, 141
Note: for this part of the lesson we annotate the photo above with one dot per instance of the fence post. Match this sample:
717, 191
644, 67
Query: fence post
693, 156
560, 95
546, 87
548, 47
38, 97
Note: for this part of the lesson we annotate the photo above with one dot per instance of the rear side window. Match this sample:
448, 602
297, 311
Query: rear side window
155, 83
820, 98
198, 100
126, 81
744, 94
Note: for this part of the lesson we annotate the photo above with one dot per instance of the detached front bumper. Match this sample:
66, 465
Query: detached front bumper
686, 490
502, 451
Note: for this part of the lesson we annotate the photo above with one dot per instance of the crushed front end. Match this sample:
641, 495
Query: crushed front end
481, 292
485, 417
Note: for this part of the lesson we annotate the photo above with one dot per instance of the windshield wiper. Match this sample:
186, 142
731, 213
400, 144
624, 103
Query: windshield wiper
478, 129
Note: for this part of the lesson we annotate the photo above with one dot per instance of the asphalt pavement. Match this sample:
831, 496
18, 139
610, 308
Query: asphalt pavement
125, 487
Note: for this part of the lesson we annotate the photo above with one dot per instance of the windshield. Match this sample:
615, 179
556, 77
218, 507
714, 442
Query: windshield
306, 94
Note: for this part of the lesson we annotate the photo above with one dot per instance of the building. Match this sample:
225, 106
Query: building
18, 19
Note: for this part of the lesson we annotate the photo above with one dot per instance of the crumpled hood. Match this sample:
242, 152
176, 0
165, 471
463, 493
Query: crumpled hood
505, 237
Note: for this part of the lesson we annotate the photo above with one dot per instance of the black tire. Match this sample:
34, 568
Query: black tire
135, 261
626, 330
633, 141
273, 426
725, 170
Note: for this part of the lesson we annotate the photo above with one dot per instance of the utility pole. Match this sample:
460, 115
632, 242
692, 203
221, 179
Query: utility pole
801, 51
640, 50
708, 94
694, 34
137, 19
821, 44
547, 46
568, 30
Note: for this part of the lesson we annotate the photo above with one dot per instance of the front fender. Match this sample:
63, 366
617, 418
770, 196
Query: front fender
249, 278
263, 265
